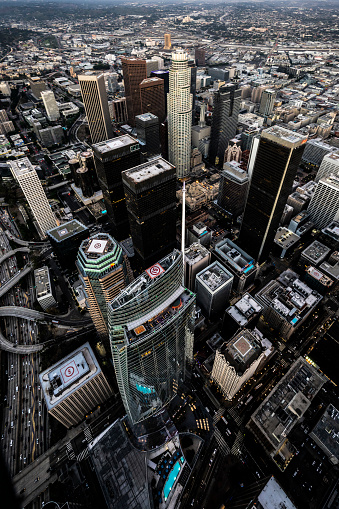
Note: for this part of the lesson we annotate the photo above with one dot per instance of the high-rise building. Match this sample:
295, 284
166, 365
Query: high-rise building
111, 158
315, 150
66, 240
94, 97
147, 126
324, 205
3, 116
233, 189
200, 57
118, 110
151, 65
53, 135
44, 288
134, 72
163, 74
151, 205
74, 386
236, 362
329, 166
152, 97
50, 104
193, 67
213, 287
37, 86
28, 180
168, 44
224, 121
267, 102
196, 258
151, 327
179, 104
101, 268
269, 189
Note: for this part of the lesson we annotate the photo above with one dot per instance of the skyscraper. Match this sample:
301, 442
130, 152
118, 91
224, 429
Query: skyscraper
94, 96
100, 264
278, 157
267, 102
168, 44
324, 205
200, 57
134, 72
50, 104
151, 206
179, 103
193, 67
152, 97
233, 189
111, 158
163, 74
147, 126
329, 166
28, 180
224, 121
151, 333
66, 239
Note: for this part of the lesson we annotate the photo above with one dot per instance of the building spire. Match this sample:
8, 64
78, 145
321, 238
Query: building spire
202, 122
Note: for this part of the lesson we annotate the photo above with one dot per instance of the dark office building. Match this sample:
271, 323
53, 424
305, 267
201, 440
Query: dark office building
164, 75
153, 97
233, 189
85, 181
200, 57
278, 157
147, 126
134, 72
191, 64
111, 158
151, 204
74, 165
224, 121
66, 239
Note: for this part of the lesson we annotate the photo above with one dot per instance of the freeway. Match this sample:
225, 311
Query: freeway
15, 279
31, 314
11, 253
24, 242
8, 346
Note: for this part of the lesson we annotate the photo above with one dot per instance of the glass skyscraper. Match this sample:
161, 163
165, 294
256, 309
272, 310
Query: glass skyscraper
151, 325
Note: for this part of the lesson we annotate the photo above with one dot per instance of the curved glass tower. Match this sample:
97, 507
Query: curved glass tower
151, 325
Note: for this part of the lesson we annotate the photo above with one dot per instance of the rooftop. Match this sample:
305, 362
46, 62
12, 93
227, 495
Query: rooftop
67, 230
21, 167
332, 230
273, 497
285, 238
97, 246
234, 171
284, 136
69, 374
42, 282
145, 171
326, 433
316, 252
236, 257
319, 276
195, 253
243, 310
242, 350
114, 144
147, 116
214, 276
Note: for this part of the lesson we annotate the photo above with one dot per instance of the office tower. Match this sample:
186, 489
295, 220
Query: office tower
193, 67
151, 65
118, 110
199, 233
233, 189
50, 105
179, 104
257, 92
267, 102
218, 74
324, 205
238, 262
37, 86
200, 57
111, 158
151, 327
101, 269
3, 116
150, 191
213, 287
243, 314
152, 97
85, 181
329, 166
196, 258
94, 97
74, 386
74, 165
314, 254
5, 89
316, 150
53, 135
233, 151
163, 74
147, 126
29, 182
269, 189
44, 288
200, 131
236, 362
224, 121
66, 240
134, 72
168, 44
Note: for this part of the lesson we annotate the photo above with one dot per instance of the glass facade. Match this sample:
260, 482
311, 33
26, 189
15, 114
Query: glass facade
151, 326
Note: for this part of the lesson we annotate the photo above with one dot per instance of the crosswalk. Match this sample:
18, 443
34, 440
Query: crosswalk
218, 415
236, 447
224, 448
83, 455
70, 451
88, 434
235, 416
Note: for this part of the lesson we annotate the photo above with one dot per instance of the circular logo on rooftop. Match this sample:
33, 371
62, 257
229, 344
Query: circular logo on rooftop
97, 245
69, 371
155, 270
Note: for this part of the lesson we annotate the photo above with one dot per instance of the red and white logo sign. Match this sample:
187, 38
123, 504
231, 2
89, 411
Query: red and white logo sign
69, 372
155, 270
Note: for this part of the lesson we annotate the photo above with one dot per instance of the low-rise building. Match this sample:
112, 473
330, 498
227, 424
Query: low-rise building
244, 313
314, 254
326, 432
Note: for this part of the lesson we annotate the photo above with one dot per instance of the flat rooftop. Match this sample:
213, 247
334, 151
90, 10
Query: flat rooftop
42, 282
332, 230
195, 253
114, 144
319, 276
241, 262
326, 433
21, 167
287, 402
284, 136
145, 171
97, 246
69, 374
273, 497
214, 276
285, 238
67, 230
242, 350
243, 310
234, 171
147, 116
316, 252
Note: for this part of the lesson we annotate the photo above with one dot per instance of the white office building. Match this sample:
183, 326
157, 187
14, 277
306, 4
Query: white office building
50, 104
44, 289
28, 180
324, 206
329, 166
179, 106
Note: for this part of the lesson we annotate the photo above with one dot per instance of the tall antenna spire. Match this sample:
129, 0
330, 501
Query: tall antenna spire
183, 230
